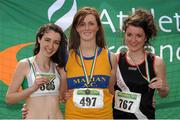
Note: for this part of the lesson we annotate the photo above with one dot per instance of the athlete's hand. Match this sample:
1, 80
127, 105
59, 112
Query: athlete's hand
24, 111
62, 99
68, 94
39, 81
156, 83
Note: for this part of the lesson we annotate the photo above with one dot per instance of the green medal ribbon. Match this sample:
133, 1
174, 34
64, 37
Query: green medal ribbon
147, 69
88, 79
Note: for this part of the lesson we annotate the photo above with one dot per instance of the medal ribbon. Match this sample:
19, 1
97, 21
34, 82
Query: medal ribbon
92, 66
147, 69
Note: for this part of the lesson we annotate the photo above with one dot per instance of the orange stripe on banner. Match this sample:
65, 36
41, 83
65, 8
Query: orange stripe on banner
8, 62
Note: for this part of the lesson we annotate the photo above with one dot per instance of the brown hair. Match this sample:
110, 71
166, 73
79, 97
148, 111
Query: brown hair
144, 19
61, 53
74, 40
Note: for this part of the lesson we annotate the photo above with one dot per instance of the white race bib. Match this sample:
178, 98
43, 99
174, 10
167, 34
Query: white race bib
127, 101
88, 98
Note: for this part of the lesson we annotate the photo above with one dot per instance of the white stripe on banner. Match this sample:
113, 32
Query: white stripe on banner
122, 85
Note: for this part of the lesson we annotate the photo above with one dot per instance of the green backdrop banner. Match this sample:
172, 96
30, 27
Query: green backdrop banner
19, 20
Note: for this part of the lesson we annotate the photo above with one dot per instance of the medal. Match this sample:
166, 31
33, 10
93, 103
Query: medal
87, 91
88, 78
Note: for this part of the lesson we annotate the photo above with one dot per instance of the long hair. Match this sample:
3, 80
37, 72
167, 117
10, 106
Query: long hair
74, 39
60, 56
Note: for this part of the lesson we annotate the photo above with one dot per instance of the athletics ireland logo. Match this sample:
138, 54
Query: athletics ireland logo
66, 20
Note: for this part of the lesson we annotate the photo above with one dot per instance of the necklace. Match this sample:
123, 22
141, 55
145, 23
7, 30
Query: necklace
147, 68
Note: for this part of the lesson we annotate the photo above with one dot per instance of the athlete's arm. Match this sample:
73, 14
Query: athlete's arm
13, 94
159, 81
63, 84
113, 72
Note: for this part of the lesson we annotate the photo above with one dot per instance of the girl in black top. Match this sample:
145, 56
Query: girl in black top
139, 72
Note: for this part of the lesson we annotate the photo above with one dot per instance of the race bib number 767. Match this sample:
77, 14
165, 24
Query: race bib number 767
127, 101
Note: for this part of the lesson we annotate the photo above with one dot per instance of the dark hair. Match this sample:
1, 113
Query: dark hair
74, 40
144, 19
60, 55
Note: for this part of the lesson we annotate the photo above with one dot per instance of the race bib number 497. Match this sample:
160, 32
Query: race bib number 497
88, 98
127, 101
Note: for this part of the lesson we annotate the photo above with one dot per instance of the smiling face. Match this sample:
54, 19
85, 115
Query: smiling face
49, 43
88, 28
135, 38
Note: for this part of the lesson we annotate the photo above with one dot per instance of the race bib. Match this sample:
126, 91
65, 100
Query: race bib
127, 101
88, 98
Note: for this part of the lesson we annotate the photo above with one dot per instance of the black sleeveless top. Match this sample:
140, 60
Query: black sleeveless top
136, 83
